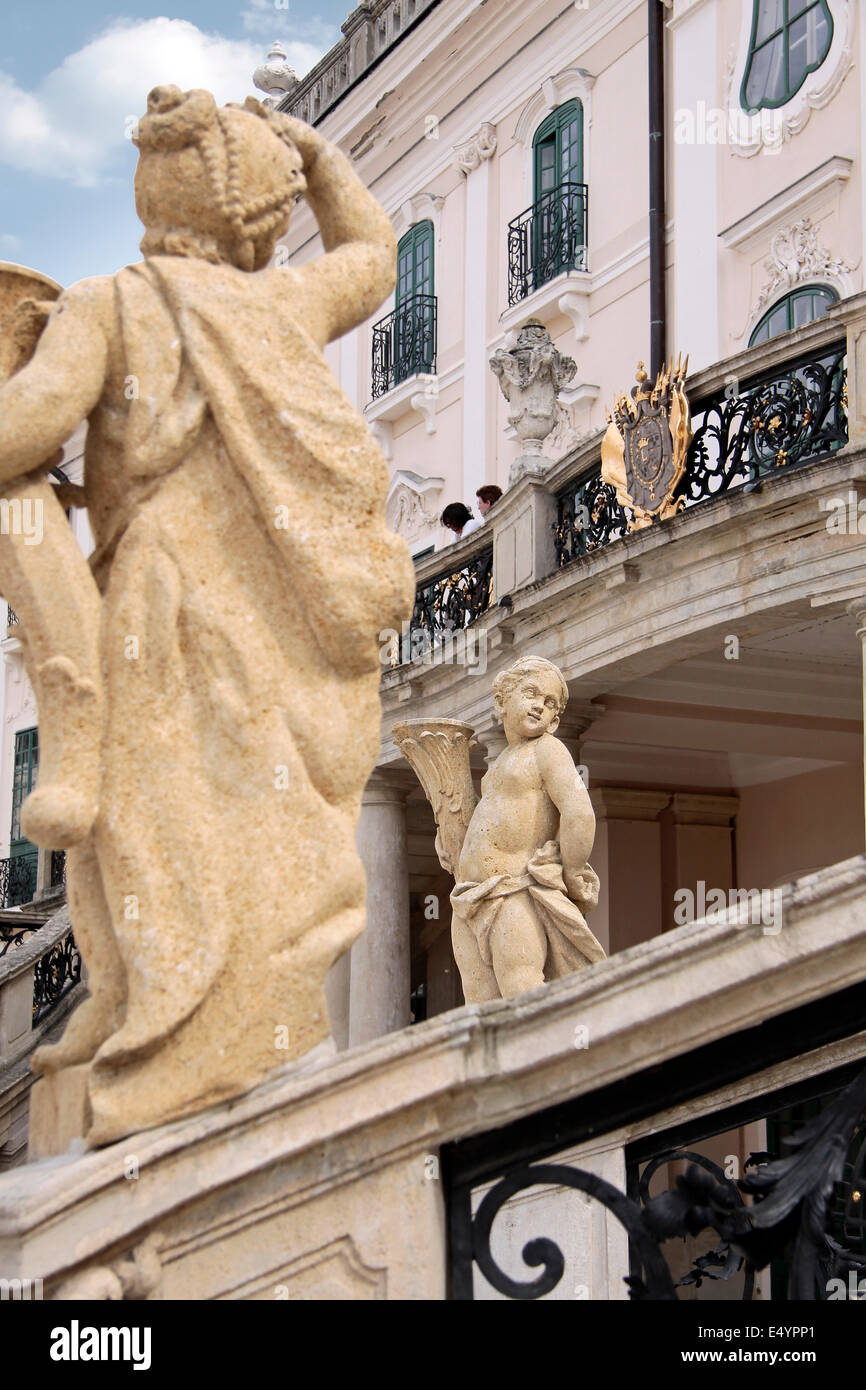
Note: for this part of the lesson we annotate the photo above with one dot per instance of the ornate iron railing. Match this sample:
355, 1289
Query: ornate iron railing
54, 974
15, 934
455, 599
801, 1212
404, 343
58, 867
546, 239
794, 415
18, 879
11, 616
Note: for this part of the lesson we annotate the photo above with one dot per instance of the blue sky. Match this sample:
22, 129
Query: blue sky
72, 78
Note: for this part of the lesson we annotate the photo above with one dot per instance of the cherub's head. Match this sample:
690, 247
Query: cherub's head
529, 698
214, 182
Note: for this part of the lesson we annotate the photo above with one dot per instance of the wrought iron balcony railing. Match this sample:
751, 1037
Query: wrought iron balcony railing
18, 878
454, 599
404, 343
787, 416
547, 239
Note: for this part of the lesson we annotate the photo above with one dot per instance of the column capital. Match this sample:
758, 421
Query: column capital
492, 739
697, 809
472, 153
576, 719
627, 803
388, 785
857, 609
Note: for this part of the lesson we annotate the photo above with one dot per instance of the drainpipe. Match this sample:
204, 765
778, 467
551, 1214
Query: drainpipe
658, 305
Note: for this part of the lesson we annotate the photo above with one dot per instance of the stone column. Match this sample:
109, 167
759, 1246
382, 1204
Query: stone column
379, 985
700, 847
627, 859
574, 724
473, 160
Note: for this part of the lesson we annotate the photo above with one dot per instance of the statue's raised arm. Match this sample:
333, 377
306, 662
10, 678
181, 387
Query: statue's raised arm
347, 285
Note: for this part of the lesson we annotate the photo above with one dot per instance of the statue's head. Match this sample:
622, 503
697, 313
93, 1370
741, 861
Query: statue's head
215, 182
530, 685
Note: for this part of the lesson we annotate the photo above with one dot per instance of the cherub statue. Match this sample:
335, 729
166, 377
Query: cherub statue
521, 852
213, 700
524, 881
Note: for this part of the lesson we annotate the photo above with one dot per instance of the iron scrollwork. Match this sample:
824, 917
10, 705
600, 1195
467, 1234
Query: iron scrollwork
588, 517
793, 1200
454, 600
18, 879
795, 416
404, 343
55, 973
547, 239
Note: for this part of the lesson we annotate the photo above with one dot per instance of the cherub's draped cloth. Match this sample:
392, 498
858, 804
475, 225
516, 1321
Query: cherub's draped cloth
570, 943
247, 571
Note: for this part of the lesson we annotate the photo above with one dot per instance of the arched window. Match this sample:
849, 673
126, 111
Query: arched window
415, 262
799, 307
558, 149
404, 343
415, 322
789, 39
550, 237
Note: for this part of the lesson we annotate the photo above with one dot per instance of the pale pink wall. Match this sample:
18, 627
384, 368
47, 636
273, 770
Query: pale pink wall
803, 823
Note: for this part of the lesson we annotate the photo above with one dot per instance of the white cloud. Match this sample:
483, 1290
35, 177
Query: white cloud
74, 124
9, 242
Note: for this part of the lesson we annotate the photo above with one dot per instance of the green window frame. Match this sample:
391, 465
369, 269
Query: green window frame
558, 149
415, 262
789, 40
25, 767
415, 306
793, 310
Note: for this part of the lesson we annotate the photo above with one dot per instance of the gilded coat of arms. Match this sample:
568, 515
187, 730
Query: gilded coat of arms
643, 453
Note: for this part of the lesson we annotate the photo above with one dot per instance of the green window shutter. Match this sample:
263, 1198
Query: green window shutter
415, 262
23, 781
789, 39
557, 232
558, 146
801, 306
415, 311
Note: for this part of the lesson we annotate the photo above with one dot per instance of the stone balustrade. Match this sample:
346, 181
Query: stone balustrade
373, 28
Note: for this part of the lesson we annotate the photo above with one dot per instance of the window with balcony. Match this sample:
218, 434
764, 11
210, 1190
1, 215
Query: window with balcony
801, 306
789, 39
550, 237
404, 343
21, 867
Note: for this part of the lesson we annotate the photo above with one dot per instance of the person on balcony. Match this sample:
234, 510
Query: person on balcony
487, 495
458, 519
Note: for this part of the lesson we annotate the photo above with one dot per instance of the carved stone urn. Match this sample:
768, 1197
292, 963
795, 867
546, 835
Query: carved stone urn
531, 377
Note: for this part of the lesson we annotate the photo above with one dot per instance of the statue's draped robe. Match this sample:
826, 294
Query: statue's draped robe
238, 510
570, 943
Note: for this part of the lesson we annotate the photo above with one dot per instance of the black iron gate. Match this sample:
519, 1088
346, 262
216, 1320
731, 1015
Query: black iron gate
805, 1211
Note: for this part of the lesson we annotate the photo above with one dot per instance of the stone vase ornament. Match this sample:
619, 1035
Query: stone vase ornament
209, 682
531, 377
520, 853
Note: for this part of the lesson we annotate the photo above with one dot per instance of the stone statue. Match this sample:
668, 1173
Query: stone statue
531, 377
208, 687
523, 877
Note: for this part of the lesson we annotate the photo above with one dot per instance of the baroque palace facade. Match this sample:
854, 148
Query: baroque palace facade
638, 179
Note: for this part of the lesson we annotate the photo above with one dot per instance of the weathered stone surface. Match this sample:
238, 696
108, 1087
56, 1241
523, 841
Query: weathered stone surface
217, 666
520, 856
323, 1181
